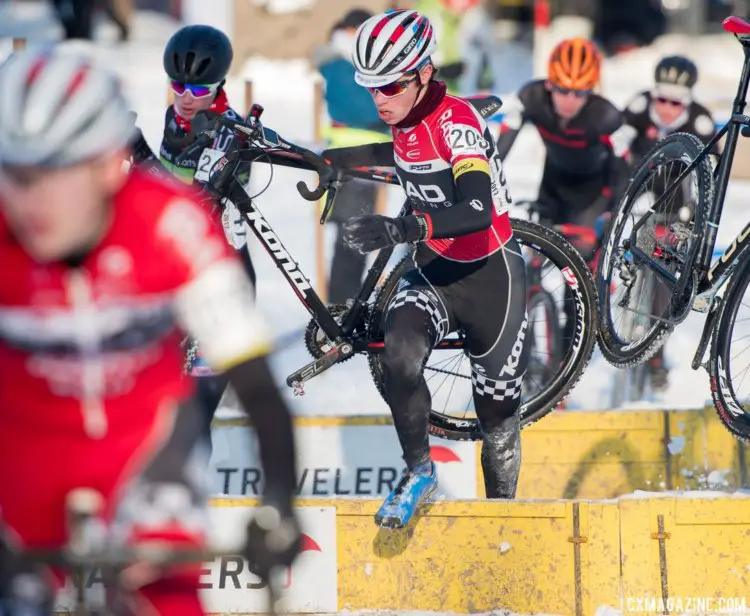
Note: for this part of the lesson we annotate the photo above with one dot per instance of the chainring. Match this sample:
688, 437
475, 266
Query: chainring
317, 342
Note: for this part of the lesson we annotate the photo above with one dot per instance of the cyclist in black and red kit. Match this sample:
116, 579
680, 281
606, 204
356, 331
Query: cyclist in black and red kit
584, 168
470, 274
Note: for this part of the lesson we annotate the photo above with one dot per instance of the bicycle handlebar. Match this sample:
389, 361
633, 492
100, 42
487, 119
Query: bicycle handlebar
265, 139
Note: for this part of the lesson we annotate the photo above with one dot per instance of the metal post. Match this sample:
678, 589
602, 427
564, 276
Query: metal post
697, 15
741, 8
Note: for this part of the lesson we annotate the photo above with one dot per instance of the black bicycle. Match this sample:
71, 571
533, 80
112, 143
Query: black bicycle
337, 332
669, 240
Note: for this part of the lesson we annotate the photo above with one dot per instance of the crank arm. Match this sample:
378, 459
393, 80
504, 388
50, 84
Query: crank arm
338, 352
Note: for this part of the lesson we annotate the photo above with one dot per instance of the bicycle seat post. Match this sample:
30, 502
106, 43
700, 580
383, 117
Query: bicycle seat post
741, 29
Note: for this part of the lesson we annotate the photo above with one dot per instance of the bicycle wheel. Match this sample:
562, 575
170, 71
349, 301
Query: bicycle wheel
631, 382
669, 236
566, 278
730, 385
545, 339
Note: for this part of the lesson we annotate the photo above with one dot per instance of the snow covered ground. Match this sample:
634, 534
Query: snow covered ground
286, 92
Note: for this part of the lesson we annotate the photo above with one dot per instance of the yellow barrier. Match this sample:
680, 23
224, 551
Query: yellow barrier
472, 556
609, 453
571, 558
688, 549
605, 454
593, 455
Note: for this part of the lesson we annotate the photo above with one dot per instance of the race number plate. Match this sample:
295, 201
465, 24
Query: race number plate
208, 159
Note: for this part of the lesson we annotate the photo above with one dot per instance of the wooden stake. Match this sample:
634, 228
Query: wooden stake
320, 236
318, 111
248, 95
19, 44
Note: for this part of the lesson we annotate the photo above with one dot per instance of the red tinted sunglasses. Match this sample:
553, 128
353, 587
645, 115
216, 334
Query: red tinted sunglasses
198, 90
396, 88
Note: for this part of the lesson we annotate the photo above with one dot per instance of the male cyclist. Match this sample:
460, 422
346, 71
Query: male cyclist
197, 60
583, 170
470, 274
104, 272
669, 107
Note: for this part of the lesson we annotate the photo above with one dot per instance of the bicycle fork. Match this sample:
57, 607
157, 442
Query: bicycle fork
708, 329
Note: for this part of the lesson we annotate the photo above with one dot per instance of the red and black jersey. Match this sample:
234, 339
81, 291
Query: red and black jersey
430, 157
582, 146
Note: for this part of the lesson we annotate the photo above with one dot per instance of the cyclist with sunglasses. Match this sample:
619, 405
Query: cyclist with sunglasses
584, 168
197, 60
105, 271
469, 272
669, 107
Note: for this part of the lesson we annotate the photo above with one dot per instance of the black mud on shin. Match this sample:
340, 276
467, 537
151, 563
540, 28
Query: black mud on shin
498, 377
415, 321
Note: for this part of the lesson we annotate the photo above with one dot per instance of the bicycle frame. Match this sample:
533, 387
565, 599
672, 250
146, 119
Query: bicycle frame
275, 150
345, 343
709, 277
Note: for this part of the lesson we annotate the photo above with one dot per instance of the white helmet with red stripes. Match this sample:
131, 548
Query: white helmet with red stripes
390, 44
57, 109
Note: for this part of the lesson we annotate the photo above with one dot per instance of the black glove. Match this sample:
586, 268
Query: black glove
367, 233
142, 152
273, 540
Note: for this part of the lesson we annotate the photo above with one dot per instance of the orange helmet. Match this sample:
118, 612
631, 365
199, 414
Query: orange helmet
574, 64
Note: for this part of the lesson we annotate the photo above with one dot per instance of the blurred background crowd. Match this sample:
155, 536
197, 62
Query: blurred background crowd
493, 46
480, 36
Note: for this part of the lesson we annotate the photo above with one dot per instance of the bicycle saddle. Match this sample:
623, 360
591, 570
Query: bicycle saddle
736, 25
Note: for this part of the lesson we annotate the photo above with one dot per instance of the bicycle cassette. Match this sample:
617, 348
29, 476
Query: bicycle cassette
316, 341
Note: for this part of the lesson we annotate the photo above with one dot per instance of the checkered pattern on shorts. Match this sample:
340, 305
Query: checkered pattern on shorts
499, 390
424, 302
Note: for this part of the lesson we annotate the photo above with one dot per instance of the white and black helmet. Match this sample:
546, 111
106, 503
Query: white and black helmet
57, 108
674, 77
390, 44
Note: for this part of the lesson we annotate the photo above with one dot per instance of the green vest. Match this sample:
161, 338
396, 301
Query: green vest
446, 25
346, 137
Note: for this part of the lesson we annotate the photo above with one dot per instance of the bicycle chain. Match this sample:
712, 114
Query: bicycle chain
316, 340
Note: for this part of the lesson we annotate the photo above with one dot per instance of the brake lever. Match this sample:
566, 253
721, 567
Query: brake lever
325, 174
333, 188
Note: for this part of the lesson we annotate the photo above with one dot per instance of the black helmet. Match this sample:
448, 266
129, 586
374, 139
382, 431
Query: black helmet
198, 54
676, 70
